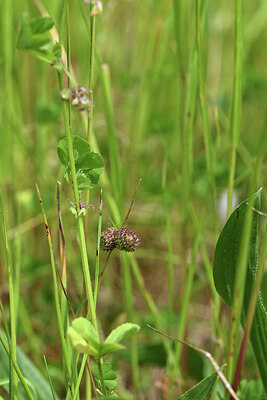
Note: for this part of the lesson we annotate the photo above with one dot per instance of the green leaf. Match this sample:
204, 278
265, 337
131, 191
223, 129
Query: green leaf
89, 165
252, 390
224, 269
33, 34
57, 50
80, 148
108, 348
89, 161
84, 183
202, 390
121, 332
84, 337
33, 376
41, 24
34, 37
109, 376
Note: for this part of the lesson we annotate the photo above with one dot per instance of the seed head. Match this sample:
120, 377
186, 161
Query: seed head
126, 240
107, 239
78, 97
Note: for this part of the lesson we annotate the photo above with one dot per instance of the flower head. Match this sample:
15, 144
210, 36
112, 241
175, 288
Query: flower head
107, 240
126, 239
123, 239
78, 97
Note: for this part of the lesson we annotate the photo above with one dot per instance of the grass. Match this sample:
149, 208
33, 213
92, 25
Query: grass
179, 91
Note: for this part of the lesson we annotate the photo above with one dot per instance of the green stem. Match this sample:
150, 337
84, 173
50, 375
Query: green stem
15, 365
204, 114
80, 226
12, 299
237, 101
239, 288
188, 291
56, 296
128, 296
77, 386
98, 249
251, 314
91, 77
101, 378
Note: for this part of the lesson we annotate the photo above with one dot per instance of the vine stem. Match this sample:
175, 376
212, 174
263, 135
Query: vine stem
80, 226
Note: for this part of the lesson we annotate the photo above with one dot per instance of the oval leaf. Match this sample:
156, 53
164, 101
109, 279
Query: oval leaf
121, 332
202, 390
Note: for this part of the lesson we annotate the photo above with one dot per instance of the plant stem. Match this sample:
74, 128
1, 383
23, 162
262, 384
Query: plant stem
237, 101
13, 352
204, 114
239, 288
56, 296
128, 299
15, 365
80, 227
98, 248
101, 378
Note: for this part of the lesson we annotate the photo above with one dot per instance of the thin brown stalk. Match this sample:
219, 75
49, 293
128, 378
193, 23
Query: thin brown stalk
103, 270
208, 356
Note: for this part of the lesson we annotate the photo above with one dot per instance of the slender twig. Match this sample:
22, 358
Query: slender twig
100, 210
65, 293
49, 378
208, 356
259, 212
61, 233
91, 376
103, 270
97, 262
131, 205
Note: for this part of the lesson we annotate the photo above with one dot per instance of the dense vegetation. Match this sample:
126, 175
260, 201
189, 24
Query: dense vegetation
172, 93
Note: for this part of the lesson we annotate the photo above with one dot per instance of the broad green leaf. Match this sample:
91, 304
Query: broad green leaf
121, 332
84, 183
41, 24
89, 165
80, 148
33, 34
109, 375
89, 161
84, 337
34, 37
108, 348
202, 390
33, 376
94, 174
225, 264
